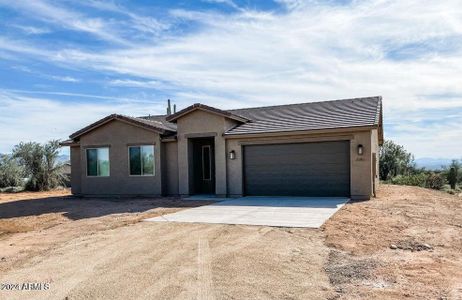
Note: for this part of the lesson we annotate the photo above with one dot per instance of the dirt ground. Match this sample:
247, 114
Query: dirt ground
364, 265
98, 248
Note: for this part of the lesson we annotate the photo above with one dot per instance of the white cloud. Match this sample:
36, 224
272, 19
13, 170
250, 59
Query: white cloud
311, 52
33, 29
141, 23
151, 84
17, 94
67, 18
230, 3
65, 78
24, 118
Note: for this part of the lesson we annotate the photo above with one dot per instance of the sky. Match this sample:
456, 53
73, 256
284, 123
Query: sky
65, 64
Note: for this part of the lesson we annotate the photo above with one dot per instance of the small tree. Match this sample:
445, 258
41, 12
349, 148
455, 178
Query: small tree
41, 165
11, 173
394, 160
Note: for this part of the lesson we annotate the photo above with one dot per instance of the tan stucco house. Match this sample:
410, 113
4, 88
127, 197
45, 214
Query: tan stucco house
325, 148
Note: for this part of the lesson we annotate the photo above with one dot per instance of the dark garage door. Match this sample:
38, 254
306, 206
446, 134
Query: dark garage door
306, 169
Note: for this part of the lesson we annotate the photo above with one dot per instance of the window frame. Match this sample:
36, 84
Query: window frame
141, 161
109, 160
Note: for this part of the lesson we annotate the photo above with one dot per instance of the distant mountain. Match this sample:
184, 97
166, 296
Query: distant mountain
432, 163
63, 158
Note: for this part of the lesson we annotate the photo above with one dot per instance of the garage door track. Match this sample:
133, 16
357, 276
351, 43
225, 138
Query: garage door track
269, 211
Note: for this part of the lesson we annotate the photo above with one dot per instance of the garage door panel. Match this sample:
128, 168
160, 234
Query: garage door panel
305, 169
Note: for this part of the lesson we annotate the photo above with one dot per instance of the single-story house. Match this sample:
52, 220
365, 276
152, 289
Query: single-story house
327, 148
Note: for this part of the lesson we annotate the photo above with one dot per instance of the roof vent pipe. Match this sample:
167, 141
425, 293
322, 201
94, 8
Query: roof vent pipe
169, 108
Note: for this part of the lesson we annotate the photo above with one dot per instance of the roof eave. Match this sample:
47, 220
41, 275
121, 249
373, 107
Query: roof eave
380, 122
299, 131
69, 143
113, 117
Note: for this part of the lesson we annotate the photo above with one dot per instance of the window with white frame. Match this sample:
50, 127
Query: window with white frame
98, 162
141, 160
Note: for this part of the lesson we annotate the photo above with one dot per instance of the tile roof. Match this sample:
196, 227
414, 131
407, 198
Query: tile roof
149, 124
344, 113
357, 112
162, 119
199, 106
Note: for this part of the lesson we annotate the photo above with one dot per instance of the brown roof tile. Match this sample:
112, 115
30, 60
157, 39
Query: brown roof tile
357, 112
345, 113
225, 113
148, 124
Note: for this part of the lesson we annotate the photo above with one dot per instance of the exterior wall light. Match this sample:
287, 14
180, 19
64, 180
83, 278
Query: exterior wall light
232, 154
360, 149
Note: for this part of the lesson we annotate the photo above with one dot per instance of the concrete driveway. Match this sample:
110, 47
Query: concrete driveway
268, 211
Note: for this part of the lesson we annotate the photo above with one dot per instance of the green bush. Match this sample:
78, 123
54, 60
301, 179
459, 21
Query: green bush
12, 189
414, 180
434, 181
11, 173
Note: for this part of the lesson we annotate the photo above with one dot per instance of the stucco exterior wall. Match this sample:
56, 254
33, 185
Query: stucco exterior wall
173, 175
201, 124
375, 151
76, 171
118, 135
170, 168
360, 166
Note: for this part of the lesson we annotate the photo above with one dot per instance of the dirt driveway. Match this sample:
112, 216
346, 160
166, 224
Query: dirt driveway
92, 248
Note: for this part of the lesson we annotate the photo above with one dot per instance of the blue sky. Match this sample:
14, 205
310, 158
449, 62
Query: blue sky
64, 64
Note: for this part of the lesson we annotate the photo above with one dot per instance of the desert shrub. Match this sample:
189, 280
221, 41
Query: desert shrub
434, 181
415, 180
11, 173
12, 189
41, 165
428, 180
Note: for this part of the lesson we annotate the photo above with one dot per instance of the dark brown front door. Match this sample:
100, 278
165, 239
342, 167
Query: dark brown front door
204, 165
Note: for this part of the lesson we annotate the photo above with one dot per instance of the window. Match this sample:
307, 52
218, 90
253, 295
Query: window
98, 162
141, 160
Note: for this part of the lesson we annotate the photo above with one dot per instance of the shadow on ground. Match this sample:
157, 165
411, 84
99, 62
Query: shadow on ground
80, 208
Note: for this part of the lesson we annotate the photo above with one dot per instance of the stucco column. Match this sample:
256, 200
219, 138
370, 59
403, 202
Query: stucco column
220, 166
183, 166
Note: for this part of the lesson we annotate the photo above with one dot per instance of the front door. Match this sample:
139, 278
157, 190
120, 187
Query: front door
204, 165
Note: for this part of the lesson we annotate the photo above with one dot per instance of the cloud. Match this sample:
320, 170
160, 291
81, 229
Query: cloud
141, 23
66, 18
40, 119
311, 50
229, 3
65, 78
32, 30
152, 84
18, 94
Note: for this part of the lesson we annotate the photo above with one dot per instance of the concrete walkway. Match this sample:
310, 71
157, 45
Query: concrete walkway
268, 211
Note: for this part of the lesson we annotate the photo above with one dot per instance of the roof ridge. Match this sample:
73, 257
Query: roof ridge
137, 118
302, 103
148, 116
